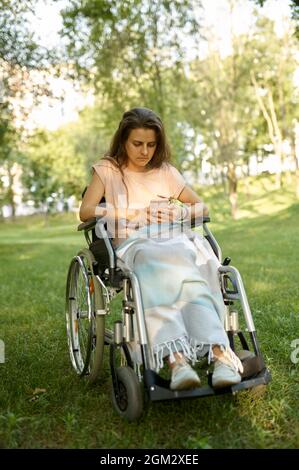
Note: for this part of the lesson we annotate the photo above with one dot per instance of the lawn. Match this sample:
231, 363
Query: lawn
43, 404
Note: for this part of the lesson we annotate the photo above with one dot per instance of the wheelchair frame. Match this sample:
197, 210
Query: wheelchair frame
102, 279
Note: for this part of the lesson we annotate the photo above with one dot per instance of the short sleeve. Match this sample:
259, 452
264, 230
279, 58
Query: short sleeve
176, 182
101, 170
105, 170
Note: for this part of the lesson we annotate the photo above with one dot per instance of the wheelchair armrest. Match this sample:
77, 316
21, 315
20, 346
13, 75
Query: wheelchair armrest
198, 221
88, 225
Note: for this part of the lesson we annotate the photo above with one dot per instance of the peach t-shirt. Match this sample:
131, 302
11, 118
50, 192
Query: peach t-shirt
143, 187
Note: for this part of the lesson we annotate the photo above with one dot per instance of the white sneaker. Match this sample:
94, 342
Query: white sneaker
226, 370
183, 377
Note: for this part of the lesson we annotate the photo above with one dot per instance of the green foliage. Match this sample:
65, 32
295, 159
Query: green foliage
19, 52
38, 177
17, 46
7, 132
294, 5
274, 61
92, 133
19, 55
53, 167
222, 109
134, 53
126, 49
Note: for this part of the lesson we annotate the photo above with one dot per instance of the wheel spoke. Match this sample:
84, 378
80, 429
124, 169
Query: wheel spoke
80, 316
85, 350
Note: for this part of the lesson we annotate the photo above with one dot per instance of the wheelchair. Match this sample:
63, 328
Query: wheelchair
94, 279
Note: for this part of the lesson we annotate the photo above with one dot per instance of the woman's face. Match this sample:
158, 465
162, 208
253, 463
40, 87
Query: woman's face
140, 148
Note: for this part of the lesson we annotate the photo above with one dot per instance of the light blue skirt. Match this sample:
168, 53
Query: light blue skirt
180, 289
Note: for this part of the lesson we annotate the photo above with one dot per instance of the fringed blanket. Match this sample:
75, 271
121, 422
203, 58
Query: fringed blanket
181, 296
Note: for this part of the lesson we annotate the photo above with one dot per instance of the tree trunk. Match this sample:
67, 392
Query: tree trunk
232, 188
46, 215
10, 192
295, 147
297, 183
274, 131
224, 180
296, 177
247, 187
278, 174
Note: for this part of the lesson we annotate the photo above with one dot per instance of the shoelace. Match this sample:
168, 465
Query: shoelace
230, 357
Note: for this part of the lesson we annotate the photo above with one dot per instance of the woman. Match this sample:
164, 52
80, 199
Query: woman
177, 270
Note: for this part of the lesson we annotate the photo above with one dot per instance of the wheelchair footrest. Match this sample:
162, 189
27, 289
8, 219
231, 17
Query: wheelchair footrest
158, 388
252, 366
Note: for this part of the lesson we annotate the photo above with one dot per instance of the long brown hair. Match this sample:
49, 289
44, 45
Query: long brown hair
138, 118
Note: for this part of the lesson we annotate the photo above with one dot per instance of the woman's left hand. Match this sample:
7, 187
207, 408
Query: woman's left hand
171, 213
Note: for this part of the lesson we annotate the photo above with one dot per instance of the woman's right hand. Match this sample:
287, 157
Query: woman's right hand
146, 216
156, 214
165, 213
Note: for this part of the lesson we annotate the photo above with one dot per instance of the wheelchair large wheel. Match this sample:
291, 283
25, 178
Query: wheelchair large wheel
85, 328
128, 399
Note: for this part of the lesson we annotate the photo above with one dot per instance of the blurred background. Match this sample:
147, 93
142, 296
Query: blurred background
222, 74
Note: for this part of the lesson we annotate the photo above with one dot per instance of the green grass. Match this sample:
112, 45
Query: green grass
43, 404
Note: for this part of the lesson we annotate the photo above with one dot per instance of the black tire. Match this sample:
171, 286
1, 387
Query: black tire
129, 402
85, 329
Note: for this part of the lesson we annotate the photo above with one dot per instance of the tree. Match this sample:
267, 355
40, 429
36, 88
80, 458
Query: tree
38, 177
54, 167
274, 63
224, 110
7, 145
294, 5
131, 51
220, 119
19, 54
221, 109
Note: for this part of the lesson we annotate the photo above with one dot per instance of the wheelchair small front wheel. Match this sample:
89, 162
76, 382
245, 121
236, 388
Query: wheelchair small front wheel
85, 330
127, 399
